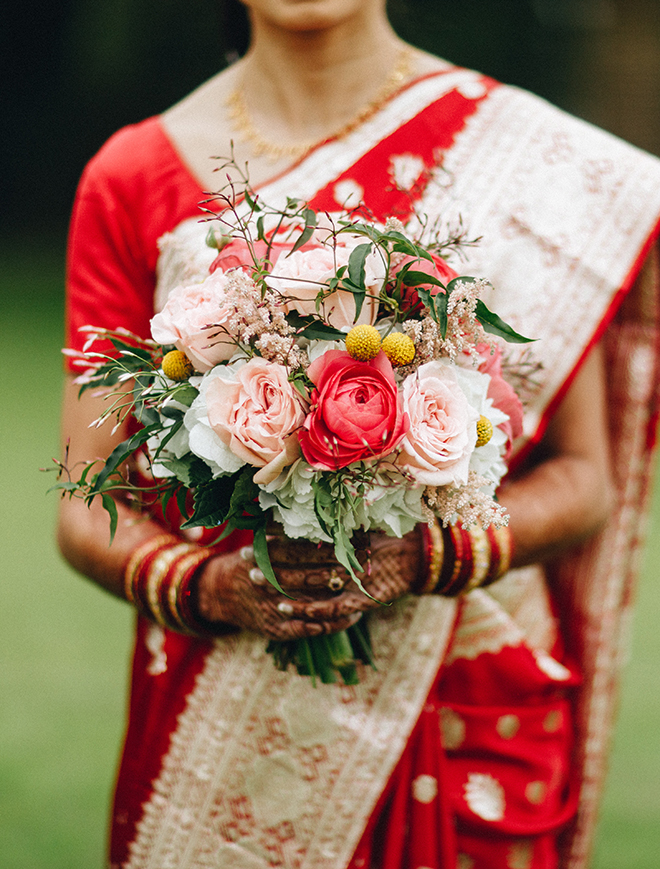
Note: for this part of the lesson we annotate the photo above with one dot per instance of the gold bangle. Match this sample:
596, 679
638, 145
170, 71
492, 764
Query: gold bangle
481, 554
436, 557
137, 557
505, 546
155, 577
180, 572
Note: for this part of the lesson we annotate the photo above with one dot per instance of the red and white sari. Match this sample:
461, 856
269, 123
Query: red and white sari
476, 743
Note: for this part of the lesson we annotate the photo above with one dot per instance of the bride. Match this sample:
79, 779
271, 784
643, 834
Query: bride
461, 750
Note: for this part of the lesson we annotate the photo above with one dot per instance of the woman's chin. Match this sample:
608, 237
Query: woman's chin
310, 15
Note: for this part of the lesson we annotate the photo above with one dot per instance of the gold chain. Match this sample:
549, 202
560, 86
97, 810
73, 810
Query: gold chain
238, 112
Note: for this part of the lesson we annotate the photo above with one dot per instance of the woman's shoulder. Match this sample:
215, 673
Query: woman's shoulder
137, 155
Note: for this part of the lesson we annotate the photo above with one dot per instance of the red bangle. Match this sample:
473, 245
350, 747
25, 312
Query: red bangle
158, 580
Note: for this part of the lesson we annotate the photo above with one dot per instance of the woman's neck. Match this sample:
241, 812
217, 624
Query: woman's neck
303, 85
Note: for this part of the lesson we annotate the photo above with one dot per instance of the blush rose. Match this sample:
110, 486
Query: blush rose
356, 411
257, 412
436, 449
185, 319
300, 276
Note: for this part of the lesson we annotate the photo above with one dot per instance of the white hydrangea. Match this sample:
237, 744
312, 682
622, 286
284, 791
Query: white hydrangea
176, 447
291, 498
391, 505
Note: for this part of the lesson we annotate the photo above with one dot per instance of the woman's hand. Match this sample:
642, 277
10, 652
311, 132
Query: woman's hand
233, 590
393, 570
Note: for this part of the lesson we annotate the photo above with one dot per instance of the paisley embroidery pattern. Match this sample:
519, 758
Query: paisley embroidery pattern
485, 796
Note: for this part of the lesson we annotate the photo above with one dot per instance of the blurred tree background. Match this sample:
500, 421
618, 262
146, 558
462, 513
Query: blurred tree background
71, 73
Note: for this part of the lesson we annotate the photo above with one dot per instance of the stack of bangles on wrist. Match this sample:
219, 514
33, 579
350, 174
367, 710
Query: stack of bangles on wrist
458, 559
158, 580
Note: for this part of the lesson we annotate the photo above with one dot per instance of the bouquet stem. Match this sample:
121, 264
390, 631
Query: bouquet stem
329, 657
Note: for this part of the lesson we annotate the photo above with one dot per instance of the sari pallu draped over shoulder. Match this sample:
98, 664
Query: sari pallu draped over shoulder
230, 763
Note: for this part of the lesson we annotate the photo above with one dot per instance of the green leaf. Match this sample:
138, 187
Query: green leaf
185, 394
496, 326
413, 278
356, 262
170, 412
325, 507
437, 307
356, 269
361, 229
110, 507
67, 486
440, 303
189, 470
252, 202
312, 328
308, 231
404, 245
212, 502
131, 350
120, 453
182, 500
262, 557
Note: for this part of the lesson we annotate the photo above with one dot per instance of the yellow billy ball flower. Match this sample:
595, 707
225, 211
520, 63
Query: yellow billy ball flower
176, 365
484, 431
363, 342
399, 349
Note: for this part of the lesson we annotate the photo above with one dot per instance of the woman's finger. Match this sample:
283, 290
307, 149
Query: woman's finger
295, 629
331, 611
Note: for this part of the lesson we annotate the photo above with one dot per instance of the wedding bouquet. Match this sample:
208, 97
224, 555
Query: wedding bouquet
329, 374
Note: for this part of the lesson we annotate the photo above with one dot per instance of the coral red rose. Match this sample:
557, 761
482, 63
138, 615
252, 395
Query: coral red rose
356, 411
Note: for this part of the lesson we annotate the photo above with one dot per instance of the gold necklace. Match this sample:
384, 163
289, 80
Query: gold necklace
238, 112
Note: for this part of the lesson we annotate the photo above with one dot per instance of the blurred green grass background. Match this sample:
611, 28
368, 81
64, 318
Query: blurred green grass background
65, 645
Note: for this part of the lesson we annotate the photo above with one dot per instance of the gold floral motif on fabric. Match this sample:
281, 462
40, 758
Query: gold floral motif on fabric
267, 770
452, 728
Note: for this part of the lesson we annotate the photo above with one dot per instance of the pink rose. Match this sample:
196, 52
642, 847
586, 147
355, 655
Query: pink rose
503, 396
257, 412
237, 255
443, 427
356, 411
438, 269
301, 275
188, 312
